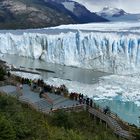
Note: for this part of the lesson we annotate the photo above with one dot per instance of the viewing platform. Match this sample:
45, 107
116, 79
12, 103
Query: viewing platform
41, 104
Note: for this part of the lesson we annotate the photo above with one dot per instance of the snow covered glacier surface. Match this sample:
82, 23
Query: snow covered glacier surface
111, 47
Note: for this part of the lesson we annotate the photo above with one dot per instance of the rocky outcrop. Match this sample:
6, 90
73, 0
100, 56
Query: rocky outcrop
24, 14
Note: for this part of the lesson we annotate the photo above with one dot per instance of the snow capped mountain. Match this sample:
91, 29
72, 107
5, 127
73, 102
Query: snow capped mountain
112, 12
77, 11
116, 14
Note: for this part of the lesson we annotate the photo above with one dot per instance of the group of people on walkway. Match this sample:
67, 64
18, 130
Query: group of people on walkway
43, 88
40, 86
81, 98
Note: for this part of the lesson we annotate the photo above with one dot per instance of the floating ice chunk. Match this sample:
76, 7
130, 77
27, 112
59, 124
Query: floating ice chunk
27, 75
106, 89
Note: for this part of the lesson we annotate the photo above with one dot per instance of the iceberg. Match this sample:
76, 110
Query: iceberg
90, 46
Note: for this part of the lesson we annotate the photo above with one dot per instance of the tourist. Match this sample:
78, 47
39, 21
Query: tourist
87, 101
82, 96
76, 96
91, 102
30, 82
22, 80
80, 100
79, 96
41, 92
8, 74
106, 110
34, 86
20, 91
19, 88
84, 101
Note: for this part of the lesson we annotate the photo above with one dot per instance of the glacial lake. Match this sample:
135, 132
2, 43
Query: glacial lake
128, 111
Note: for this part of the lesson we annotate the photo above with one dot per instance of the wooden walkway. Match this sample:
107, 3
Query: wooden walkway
111, 120
41, 104
112, 123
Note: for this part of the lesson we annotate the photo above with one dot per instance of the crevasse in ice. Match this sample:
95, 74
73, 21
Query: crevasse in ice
106, 51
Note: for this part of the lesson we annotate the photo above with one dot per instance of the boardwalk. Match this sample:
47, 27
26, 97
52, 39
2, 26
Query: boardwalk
59, 103
111, 122
40, 104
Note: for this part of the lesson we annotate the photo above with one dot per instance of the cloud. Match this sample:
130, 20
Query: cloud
131, 6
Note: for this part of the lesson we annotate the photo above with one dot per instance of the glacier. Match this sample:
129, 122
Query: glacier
109, 47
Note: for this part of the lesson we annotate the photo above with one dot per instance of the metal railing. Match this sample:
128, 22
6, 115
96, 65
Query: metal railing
70, 108
112, 123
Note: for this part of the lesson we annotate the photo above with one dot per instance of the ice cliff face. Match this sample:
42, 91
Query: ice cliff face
111, 52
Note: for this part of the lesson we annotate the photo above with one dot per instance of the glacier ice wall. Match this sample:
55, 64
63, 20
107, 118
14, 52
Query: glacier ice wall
111, 52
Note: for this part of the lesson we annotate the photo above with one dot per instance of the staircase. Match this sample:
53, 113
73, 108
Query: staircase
112, 123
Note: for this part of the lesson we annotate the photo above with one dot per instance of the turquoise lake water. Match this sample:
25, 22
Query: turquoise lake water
127, 111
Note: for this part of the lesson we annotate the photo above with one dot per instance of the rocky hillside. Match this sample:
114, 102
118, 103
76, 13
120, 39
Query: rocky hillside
30, 14
78, 12
16, 14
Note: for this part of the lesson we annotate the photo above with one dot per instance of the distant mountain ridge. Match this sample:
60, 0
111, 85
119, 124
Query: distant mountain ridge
109, 11
43, 13
78, 12
116, 14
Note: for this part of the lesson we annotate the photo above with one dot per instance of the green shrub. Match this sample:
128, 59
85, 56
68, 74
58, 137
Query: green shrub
6, 129
2, 74
62, 119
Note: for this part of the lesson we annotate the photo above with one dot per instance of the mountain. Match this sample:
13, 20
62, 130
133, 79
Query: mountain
78, 12
111, 12
30, 14
43, 13
116, 14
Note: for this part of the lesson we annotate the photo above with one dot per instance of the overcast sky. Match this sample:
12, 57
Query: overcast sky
131, 6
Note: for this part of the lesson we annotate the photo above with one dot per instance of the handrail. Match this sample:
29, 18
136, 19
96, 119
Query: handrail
114, 116
69, 108
116, 128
